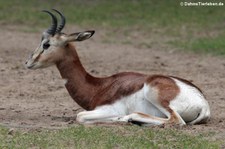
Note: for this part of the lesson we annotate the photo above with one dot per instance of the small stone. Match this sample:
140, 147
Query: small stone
11, 131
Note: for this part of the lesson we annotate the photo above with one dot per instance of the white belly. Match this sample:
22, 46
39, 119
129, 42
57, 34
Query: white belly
133, 103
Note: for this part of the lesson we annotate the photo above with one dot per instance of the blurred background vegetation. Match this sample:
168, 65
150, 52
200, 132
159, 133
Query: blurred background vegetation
196, 28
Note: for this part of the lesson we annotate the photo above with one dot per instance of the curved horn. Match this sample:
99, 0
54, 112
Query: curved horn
52, 29
62, 23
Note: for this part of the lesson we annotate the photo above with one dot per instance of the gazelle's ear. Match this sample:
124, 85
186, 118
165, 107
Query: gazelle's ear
80, 36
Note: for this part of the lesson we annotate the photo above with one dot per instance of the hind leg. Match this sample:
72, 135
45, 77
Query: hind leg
141, 118
160, 97
173, 116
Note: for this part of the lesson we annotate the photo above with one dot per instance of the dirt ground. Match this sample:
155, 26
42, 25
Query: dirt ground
34, 99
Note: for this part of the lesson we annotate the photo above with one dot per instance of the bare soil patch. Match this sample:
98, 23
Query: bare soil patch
34, 99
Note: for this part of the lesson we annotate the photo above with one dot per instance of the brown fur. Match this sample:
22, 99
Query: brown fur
167, 89
118, 86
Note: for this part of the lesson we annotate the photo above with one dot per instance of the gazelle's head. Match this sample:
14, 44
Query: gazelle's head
52, 48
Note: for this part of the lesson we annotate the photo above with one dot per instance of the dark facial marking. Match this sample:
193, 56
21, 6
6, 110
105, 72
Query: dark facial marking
46, 45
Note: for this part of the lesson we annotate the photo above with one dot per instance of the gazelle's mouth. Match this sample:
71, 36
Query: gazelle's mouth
30, 66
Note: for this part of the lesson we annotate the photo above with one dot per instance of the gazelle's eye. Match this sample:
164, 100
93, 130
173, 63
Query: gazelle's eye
46, 45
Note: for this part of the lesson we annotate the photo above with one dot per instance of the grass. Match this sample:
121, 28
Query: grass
104, 137
213, 45
115, 13
206, 45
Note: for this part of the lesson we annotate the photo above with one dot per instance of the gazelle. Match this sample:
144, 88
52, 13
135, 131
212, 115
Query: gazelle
122, 97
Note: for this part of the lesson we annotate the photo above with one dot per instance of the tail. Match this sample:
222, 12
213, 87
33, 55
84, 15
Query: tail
203, 117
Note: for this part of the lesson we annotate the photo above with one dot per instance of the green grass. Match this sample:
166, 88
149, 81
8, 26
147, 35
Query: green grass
212, 45
113, 13
209, 45
104, 137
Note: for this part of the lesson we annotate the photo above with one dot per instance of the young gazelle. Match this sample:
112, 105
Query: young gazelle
123, 97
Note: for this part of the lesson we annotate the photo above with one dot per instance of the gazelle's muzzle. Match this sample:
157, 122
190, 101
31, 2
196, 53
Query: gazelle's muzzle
30, 62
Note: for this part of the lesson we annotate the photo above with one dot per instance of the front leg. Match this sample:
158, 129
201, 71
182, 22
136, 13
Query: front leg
98, 115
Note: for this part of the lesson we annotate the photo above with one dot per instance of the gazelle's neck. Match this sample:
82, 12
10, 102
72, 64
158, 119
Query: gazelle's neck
90, 92
70, 67
80, 84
